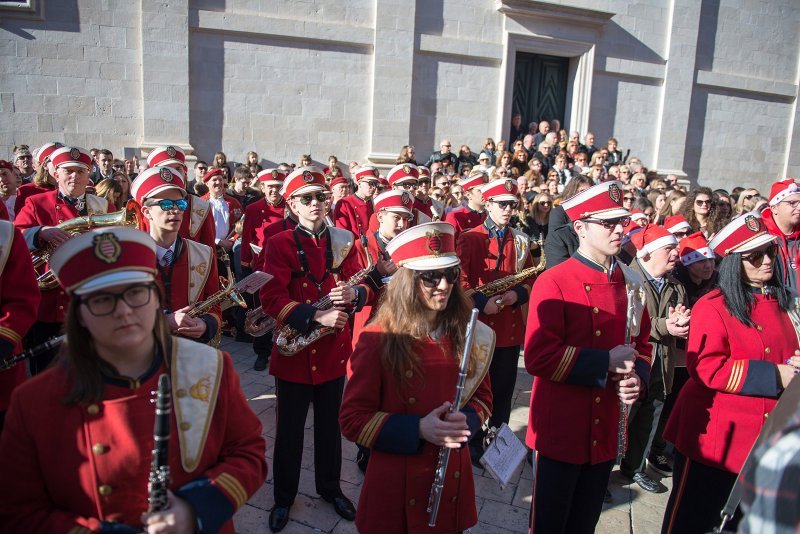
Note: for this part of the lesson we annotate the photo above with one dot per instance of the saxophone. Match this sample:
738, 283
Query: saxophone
503, 284
128, 216
289, 341
229, 291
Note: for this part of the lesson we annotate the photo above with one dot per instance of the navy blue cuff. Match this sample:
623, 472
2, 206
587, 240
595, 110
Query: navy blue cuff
375, 279
399, 435
642, 369
522, 295
761, 380
211, 507
361, 297
31, 236
301, 317
107, 527
590, 368
473, 421
480, 300
211, 328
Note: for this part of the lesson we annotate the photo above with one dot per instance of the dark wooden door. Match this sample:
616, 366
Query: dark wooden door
540, 87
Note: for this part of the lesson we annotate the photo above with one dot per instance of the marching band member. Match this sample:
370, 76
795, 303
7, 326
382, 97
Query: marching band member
353, 212
305, 263
489, 252
225, 209
19, 299
432, 208
187, 270
575, 349
472, 214
741, 353
199, 225
89, 472
405, 372
38, 219
44, 180
263, 212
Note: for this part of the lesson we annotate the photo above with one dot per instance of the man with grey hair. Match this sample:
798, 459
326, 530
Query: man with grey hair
528, 145
23, 162
443, 155
544, 128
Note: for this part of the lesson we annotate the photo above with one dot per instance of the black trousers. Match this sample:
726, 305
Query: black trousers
567, 498
698, 495
38, 334
643, 420
292, 406
503, 375
679, 378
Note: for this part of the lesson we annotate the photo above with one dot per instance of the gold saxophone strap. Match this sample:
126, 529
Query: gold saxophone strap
199, 257
481, 354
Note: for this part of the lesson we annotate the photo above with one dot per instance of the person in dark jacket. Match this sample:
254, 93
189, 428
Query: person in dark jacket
562, 241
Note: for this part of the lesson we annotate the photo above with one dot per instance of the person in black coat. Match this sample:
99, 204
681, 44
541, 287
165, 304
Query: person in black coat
562, 241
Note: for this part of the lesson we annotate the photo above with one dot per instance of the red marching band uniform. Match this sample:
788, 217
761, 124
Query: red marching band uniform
24, 191
260, 214
464, 218
383, 416
90, 470
354, 213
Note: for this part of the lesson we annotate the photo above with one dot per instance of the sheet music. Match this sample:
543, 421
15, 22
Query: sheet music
504, 455
253, 282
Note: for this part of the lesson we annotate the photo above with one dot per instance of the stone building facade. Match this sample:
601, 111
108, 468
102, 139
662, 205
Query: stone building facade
702, 89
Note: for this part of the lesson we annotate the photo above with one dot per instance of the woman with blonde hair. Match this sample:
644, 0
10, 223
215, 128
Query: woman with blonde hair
746, 202
110, 190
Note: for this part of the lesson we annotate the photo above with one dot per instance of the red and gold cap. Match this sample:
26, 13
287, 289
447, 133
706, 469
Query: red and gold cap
745, 232
272, 176
155, 180
601, 201
651, 238
166, 155
45, 151
500, 190
475, 179
677, 223
395, 200
425, 247
303, 180
212, 172
71, 157
694, 248
103, 258
366, 172
405, 172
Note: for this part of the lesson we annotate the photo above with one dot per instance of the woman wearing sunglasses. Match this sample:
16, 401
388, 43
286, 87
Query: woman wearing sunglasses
404, 376
78, 439
702, 212
187, 270
741, 353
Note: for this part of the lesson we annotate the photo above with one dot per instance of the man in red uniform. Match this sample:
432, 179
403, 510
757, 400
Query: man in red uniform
488, 253
187, 270
226, 210
38, 219
43, 155
198, 225
263, 212
423, 202
307, 264
783, 221
19, 299
575, 348
472, 214
353, 212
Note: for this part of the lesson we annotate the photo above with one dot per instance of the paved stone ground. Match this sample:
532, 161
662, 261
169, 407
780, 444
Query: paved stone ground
500, 511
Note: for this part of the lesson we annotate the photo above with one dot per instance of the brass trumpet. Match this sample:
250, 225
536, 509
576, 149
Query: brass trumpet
128, 216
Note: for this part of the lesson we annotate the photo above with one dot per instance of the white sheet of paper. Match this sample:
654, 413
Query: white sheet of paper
504, 455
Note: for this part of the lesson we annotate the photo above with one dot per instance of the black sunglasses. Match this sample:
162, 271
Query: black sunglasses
167, 205
610, 224
503, 204
757, 258
431, 279
305, 200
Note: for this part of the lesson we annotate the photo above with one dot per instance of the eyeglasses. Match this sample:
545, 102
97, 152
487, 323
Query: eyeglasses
610, 224
100, 304
118, 167
202, 168
748, 197
627, 199
791, 203
544, 202
432, 279
24, 157
680, 235
505, 204
757, 258
408, 186
305, 200
424, 182
699, 202
167, 205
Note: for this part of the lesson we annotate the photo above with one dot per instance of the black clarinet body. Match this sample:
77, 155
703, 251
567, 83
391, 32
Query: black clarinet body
160, 478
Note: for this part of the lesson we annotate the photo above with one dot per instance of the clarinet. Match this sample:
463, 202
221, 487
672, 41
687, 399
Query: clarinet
159, 468
444, 452
31, 352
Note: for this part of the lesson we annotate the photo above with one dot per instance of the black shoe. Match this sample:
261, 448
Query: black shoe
475, 454
648, 484
362, 459
261, 362
529, 457
660, 464
343, 506
607, 498
278, 518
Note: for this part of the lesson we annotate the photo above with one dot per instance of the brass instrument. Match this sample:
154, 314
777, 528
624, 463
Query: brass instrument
503, 284
289, 341
257, 323
128, 216
228, 292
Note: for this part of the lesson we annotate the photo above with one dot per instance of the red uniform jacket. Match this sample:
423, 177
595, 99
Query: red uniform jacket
463, 219
28, 190
383, 416
376, 250
288, 297
235, 212
19, 300
289, 223
47, 209
575, 316
789, 248
353, 213
479, 252
733, 384
257, 217
203, 232
76, 465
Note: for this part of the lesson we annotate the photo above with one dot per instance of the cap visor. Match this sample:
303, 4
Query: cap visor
503, 198
755, 243
431, 264
614, 213
113, 279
